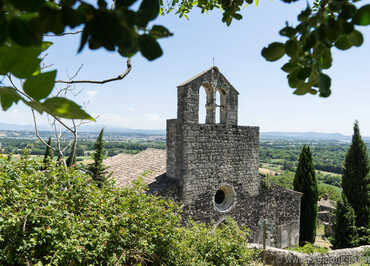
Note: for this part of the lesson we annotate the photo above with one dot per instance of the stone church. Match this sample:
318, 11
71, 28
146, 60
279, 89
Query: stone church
212, 168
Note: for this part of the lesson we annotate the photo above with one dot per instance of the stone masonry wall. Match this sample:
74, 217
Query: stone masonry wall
214, 154
280, 206
206, 157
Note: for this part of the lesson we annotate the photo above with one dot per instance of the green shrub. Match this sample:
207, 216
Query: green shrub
309, 249
363, 236
366, 252
224, 245
61, 217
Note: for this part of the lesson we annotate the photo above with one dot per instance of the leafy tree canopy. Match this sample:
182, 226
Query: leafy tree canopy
327, 24
24, 23
124, 29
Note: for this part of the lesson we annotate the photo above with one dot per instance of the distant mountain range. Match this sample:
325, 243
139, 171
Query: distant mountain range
306, 136
264, 135
93, 128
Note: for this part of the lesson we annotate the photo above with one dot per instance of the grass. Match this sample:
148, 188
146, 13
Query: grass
310, 249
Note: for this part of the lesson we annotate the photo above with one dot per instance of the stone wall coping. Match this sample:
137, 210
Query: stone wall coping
287, 189
204, 73
219, 125
277, 256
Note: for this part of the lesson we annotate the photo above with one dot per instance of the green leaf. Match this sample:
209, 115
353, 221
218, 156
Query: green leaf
67, 3
72, 17
23, 32
362, 17
309, 41
64, 108
274, 51
291, 48
343, 42
102, 4
348, 27
149, 10
3, 28
294, 81
304, 15
332, 29
35, 105
159, 31
324, 85
22, 62
84, 38
287, 31
289, 67
323, 55
129, 51
28, 5
301, 91
149, 47
41, 85
45, 46
124, 3
348, 11
303, 73
238, 16
51, 20
356, 38
8, 96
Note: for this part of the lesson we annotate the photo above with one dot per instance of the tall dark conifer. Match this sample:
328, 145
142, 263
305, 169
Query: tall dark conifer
305, 182
48, 153
344, 229
71, 160
97, 169
355, 179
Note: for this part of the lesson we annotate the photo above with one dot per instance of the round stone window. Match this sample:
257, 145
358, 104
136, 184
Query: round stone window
224, 198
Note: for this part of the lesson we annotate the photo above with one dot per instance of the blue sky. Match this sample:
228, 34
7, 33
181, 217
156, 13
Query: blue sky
147, 97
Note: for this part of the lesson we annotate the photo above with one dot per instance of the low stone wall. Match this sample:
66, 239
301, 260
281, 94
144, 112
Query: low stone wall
282, 257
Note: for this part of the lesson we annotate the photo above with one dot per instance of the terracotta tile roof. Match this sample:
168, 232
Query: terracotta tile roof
147, 164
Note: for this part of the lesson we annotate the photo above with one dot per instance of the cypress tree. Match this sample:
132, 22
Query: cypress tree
344, 229
71, 160
355, 178
48, 153
305, 182
97, 169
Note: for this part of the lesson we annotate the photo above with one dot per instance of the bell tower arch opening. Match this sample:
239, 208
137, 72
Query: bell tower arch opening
202, 105
218, 105
207, 100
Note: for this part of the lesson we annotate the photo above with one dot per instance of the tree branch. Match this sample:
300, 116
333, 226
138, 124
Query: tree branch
63, 34
37, 132
122, 76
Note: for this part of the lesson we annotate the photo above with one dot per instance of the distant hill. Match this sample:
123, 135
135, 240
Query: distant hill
92, 128
5, 126
95, 128
305, 136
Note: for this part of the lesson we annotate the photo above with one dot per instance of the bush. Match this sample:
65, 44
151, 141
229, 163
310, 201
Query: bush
60, 217
308, 248
224, 245
363, 236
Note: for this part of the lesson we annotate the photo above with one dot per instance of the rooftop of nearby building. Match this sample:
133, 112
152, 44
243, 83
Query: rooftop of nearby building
147, 164
326, 202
